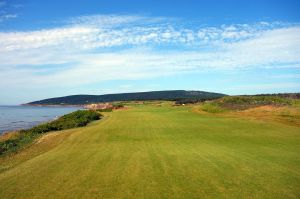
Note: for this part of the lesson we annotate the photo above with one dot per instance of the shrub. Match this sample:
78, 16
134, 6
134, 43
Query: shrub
72, 120
211, 108
245, 102
256, 100
118, 105
189, 101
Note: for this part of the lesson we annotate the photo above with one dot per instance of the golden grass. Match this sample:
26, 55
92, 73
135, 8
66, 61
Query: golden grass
9, 135
284, 114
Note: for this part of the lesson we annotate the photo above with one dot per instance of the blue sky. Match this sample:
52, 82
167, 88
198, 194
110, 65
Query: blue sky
57, 48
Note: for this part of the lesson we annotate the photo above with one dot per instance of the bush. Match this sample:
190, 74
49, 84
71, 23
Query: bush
75, 119
118, 105
256, 100
189, 101
72, 120
245, 102
211, 107
8, 144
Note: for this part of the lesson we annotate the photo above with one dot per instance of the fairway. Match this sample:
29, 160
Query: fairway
151, 151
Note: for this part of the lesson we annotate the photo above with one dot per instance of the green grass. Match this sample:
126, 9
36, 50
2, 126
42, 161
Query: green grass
151, 151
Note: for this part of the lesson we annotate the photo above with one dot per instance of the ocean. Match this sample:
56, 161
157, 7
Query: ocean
23, 117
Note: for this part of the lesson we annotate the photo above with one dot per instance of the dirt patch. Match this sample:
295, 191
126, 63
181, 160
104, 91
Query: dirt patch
47, 136
265, 108
122, 108
9, 135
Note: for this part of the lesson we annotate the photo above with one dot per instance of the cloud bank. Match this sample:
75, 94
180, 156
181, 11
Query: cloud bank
98, 48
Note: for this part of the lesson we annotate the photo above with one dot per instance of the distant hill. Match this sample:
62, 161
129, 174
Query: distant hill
139, 96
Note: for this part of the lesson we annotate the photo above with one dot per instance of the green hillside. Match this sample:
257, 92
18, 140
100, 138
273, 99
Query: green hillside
157, 150
140, 96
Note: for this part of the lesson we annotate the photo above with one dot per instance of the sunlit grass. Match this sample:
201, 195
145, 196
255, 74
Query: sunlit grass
161, 151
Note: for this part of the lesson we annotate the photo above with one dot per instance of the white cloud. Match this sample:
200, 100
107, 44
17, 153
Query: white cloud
100, 48
6, 17
90, 32
112, 21
62, 37
271, 47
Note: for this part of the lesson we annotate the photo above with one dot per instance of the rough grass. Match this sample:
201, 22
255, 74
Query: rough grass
267, 108
212, 107
151, 151
245, 102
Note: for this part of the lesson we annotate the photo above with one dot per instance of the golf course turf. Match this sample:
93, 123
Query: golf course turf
159, 151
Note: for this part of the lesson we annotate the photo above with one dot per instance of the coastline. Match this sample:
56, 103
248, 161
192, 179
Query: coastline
52, 105
14, 140
18, 117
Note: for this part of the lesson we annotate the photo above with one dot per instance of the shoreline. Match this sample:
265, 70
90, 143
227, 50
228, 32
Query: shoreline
12, 141
52, 105
16, 118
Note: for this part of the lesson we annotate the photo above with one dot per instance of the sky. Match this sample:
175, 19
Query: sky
54, 48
